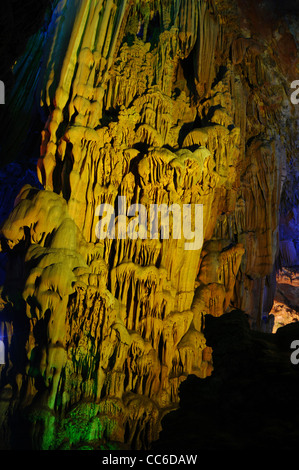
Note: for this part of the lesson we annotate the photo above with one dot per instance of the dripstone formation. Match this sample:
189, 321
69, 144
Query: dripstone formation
161, 102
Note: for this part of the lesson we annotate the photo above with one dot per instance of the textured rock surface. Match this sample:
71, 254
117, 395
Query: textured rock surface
163, 103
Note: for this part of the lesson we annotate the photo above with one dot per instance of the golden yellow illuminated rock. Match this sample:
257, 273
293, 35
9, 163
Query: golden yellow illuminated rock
157, 102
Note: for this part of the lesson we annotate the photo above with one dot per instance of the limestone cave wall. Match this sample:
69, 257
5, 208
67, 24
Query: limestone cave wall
175, 102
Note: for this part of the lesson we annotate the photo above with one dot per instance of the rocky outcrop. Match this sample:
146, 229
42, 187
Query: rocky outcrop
285, 308
161, 103
249, 403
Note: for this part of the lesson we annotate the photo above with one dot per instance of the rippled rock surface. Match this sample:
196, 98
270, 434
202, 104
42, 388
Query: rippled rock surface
159, 102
